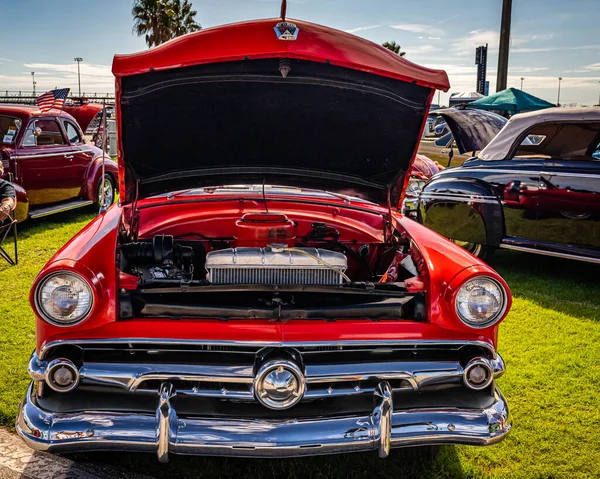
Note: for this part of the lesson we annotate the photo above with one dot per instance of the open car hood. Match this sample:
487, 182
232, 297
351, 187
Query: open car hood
83, 112
216, 107
472, 129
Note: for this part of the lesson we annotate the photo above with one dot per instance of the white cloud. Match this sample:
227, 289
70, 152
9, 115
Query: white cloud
362, 29
94, 78
592, 67
418, 28
434, 38
68, 68
467, 45
6, 60
423, 49
526, 69
530, 50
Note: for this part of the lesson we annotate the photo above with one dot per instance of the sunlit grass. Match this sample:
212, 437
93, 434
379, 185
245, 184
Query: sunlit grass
550, 342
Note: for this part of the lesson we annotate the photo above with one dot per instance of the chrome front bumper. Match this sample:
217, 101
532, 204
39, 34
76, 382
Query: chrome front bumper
165, 432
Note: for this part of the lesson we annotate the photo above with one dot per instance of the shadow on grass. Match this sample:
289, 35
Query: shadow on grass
401, 463
30, 228
567, 286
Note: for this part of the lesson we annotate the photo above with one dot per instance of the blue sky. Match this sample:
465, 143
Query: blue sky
550, 38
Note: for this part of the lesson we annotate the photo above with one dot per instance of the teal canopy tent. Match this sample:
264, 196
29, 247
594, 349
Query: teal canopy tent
512, 101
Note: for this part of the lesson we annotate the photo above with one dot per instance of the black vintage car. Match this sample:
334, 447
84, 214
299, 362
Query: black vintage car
535, 187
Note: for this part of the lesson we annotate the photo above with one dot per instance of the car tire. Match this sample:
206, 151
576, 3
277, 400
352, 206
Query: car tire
483, 252
105, 192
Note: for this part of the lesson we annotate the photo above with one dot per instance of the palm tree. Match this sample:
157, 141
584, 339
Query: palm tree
182, 19
162, 20
393, 46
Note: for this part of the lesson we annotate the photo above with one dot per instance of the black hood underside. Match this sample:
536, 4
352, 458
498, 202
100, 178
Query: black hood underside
322, 127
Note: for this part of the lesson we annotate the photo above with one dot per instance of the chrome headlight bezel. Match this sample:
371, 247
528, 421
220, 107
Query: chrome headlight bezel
415, 186
496, 317
45, 314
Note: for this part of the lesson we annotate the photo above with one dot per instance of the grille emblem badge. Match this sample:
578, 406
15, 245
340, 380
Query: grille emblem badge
279, 384
286, 31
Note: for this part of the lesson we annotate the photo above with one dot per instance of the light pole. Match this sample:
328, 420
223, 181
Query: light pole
504, 45
522, 78
558, 100
33, 81
78, 60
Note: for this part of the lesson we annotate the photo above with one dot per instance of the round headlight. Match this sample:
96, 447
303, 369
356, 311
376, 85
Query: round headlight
64, 298
480, 302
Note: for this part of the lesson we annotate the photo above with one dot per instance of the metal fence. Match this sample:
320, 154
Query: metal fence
24, 97
93, 133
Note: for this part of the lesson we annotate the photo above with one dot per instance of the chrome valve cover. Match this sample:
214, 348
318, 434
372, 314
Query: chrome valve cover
275, 265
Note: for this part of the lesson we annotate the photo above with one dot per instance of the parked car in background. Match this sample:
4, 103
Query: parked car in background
534, 188
51, 166
256, 291
422, 169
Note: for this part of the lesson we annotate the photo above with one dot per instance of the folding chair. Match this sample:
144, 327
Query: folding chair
9, 225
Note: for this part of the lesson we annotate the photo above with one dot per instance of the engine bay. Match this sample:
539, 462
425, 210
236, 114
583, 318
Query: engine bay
271, 267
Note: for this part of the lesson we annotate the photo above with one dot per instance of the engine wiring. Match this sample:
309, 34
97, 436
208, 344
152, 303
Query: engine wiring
318, 260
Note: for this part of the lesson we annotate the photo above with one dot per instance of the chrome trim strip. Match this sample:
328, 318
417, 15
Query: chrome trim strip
322, 380
464, 199
283, 344
50, 154
41, 155
571, 175
459, 195
555, 254
494, 170
60, 209
164, 432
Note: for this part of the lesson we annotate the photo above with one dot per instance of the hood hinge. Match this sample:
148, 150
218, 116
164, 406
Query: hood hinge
388, 228
135, 215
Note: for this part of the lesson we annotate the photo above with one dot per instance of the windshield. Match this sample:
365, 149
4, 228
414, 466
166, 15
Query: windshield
9, 128
257, 190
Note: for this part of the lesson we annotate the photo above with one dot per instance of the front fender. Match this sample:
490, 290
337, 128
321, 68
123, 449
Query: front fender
91, 253
94, 173
21, 212
464, 209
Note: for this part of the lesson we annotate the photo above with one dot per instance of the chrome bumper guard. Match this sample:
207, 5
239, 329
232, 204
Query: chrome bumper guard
165, 432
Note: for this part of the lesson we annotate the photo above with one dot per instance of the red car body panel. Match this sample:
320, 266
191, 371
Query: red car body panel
83, 112
50, 174
255, 39
443, 268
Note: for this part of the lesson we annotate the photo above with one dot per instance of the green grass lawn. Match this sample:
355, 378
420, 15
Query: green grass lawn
550, 342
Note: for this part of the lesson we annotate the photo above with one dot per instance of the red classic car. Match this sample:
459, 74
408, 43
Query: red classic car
51, 166
256, 291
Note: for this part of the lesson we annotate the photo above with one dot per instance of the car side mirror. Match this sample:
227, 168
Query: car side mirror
37, 131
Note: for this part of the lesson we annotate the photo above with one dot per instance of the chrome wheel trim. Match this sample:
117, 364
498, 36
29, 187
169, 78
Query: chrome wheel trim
473, 248
575, 215
105, 193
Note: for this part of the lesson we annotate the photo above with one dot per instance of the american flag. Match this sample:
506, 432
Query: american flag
52, 99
